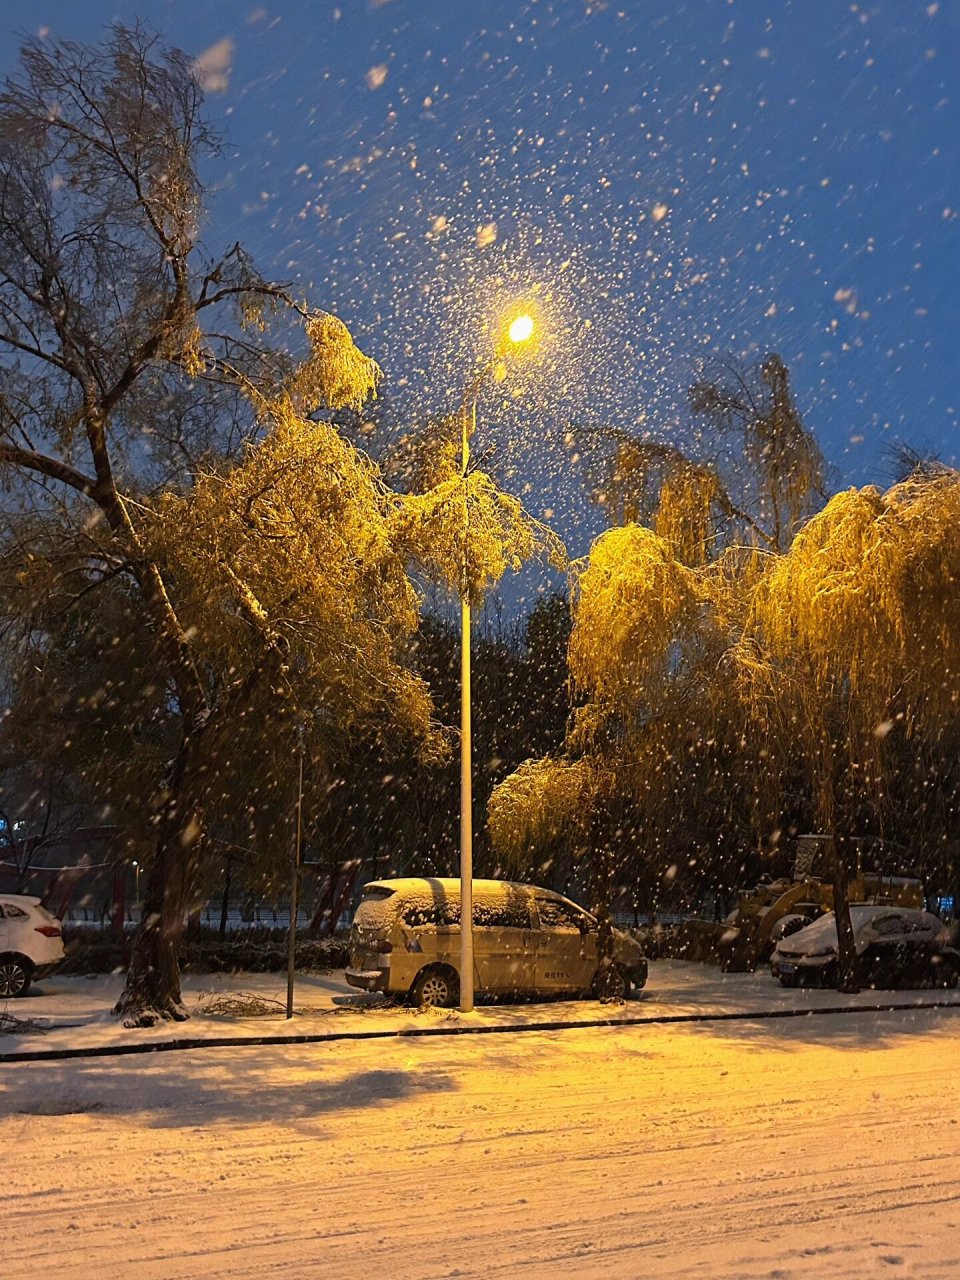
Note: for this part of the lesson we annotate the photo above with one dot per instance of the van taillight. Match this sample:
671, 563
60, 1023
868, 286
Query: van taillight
48, 930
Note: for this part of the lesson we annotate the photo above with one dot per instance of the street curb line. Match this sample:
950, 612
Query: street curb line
223, 1042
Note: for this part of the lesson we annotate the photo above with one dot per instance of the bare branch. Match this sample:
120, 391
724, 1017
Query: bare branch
52, 467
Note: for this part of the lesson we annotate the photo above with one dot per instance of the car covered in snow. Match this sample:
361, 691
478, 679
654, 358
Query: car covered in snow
31, 943
405, 941
896, 947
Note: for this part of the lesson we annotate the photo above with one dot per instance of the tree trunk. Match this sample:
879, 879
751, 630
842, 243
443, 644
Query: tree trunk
608, 985
827, 818
225, 902
152, 990
847, 979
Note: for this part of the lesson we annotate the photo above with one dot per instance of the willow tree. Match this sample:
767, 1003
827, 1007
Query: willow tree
469, 531
655, 711
635, 607
855, 630
662, 596
112, 316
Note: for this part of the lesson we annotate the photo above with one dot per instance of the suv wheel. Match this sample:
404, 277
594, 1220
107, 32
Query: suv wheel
15, 978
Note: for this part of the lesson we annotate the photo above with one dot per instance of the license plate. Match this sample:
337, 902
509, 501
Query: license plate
788, 969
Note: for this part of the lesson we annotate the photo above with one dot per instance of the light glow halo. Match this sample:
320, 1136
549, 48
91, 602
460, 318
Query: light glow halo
521, 329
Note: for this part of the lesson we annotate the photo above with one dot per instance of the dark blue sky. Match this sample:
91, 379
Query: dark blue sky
670, 178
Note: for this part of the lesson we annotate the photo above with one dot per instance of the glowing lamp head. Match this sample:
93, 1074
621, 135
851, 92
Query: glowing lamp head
521, 329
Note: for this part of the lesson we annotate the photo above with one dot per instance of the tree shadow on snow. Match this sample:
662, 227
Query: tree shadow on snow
212, 1089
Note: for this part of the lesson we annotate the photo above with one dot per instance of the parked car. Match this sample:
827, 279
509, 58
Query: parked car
896, 947
405, 941
31, 944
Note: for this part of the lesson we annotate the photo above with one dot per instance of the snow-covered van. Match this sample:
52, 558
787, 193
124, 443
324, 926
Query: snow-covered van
406, 942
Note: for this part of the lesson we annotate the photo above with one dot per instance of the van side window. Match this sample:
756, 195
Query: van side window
512, 914
560, 915
501, 915
436, 913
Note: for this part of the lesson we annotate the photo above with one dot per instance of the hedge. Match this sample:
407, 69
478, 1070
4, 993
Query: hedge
264, 951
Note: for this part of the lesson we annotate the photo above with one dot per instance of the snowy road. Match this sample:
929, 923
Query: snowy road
818, 1147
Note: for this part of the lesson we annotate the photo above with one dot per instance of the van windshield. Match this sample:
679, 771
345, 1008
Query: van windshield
563, 915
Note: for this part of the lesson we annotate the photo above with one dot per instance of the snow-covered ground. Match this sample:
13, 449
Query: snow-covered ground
74, 1013
815, 1147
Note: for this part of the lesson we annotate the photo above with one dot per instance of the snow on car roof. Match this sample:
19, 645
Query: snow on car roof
449, 887
382, 899
824, 930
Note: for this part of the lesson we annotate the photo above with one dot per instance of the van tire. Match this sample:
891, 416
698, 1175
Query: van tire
437, 987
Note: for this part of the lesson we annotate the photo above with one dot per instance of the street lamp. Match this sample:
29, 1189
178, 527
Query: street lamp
519, 331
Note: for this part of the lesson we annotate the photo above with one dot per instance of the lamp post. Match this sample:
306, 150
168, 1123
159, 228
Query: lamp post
519, 331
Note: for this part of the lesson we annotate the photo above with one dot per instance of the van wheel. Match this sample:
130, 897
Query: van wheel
435, 989
15, 978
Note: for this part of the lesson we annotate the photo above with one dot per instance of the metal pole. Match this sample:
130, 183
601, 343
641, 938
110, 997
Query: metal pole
468, 417
295, 884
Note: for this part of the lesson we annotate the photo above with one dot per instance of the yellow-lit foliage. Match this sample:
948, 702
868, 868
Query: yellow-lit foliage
649, 482
540, 802
633, 602
830, 601
294, 549
685, 515
924, 515
785, 464
727, 585
337, 375
426, 455
469, 533
727, 676
866, 599
858, 621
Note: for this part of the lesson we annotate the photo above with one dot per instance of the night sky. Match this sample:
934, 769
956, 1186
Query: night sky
665, 179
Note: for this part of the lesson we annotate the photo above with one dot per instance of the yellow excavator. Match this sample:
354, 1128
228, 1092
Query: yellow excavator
775, 908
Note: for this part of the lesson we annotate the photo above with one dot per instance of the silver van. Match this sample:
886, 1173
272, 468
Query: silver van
405, 941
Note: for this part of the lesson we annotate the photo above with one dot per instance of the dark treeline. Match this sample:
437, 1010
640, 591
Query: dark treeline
380, 813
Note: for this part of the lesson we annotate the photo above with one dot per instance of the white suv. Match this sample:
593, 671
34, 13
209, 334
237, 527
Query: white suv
31, 943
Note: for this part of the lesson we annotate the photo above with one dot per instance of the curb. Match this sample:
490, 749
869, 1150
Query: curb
223, 1042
